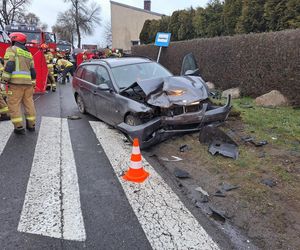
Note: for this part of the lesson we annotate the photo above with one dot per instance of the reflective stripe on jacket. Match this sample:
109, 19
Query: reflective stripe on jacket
23, 64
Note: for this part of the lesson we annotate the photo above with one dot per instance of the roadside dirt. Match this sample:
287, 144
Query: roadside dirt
269, 216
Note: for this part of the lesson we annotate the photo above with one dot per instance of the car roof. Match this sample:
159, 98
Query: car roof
116, 62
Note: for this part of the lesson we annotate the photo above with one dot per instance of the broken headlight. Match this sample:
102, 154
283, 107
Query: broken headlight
175, 92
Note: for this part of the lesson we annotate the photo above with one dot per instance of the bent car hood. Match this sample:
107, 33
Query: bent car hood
163, 92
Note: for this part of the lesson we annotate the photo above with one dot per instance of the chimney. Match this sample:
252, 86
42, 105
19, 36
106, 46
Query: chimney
147, 5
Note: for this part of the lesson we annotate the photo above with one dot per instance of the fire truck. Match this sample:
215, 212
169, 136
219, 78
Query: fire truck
35, 38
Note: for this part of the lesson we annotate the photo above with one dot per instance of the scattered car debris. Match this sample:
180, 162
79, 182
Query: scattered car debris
211, 132
219, 141
204, 195
217, 215
74, 117
220, 193
251, 140
225, 149
228, 187
204, 199
202, 191
269, 182
181, 174
173, 158
184, 148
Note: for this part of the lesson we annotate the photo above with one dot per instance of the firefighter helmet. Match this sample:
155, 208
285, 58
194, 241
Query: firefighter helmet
18, 37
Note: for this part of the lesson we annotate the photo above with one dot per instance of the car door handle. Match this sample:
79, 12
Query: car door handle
95, 92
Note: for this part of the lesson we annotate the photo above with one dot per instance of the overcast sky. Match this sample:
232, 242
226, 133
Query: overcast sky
48, 11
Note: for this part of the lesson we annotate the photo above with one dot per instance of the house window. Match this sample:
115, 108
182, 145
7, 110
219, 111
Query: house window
136, 42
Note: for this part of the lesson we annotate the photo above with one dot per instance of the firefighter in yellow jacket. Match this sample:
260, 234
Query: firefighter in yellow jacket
49, 58
65, 66
20, 74
3, 104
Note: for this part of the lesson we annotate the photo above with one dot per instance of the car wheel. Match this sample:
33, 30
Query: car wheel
133, 120
80, 104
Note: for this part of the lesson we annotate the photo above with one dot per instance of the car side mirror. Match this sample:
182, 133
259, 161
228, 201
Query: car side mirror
104, 87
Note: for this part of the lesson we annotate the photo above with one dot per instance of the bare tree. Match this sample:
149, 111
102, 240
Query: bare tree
84, 17
65, 26
11, 10
34, 20
108, 34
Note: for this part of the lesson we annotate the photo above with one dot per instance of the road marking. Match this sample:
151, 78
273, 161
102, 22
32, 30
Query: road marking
6, 129
52, 202
167, 223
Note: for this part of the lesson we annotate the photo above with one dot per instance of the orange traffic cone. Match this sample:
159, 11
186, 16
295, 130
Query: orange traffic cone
136, 172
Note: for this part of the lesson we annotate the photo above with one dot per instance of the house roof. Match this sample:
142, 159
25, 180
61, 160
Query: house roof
135, 8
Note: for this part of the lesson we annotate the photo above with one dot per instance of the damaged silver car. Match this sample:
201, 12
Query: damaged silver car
143, 99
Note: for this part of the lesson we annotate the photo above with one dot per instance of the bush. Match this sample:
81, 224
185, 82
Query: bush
257, 63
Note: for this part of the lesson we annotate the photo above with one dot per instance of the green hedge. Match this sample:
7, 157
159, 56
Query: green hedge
257, 63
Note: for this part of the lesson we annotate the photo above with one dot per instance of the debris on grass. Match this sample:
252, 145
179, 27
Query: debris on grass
228, 187
269, 182
184, 148
173, 158
225, 149
181, 174
211, 132
217, 215
251, 140
202, 191
204, 195
220, 193
219, 141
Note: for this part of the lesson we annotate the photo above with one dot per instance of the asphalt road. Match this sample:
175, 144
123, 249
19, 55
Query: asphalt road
84, 204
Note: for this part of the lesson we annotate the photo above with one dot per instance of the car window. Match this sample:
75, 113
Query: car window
102, 76
129, 74
89, 73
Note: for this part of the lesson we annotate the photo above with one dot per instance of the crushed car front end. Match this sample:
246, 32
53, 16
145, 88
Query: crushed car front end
176, 120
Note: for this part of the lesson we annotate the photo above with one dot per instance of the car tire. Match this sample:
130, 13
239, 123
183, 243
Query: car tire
133, 120
80, 104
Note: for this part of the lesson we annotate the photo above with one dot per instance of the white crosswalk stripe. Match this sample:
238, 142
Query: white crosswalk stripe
6, 129
167, 223
52, 202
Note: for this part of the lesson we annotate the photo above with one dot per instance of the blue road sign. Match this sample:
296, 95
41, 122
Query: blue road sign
162, 39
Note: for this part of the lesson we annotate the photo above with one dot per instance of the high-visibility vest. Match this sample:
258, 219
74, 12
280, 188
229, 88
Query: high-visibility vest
23, 63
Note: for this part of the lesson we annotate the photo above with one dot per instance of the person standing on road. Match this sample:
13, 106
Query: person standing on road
49, 60
20, 74
3, 105
65, 66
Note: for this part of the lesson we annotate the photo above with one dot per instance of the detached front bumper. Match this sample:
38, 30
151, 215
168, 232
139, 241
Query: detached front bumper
161, 128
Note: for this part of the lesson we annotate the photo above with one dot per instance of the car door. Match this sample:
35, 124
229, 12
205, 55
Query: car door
105, 98
88, 87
